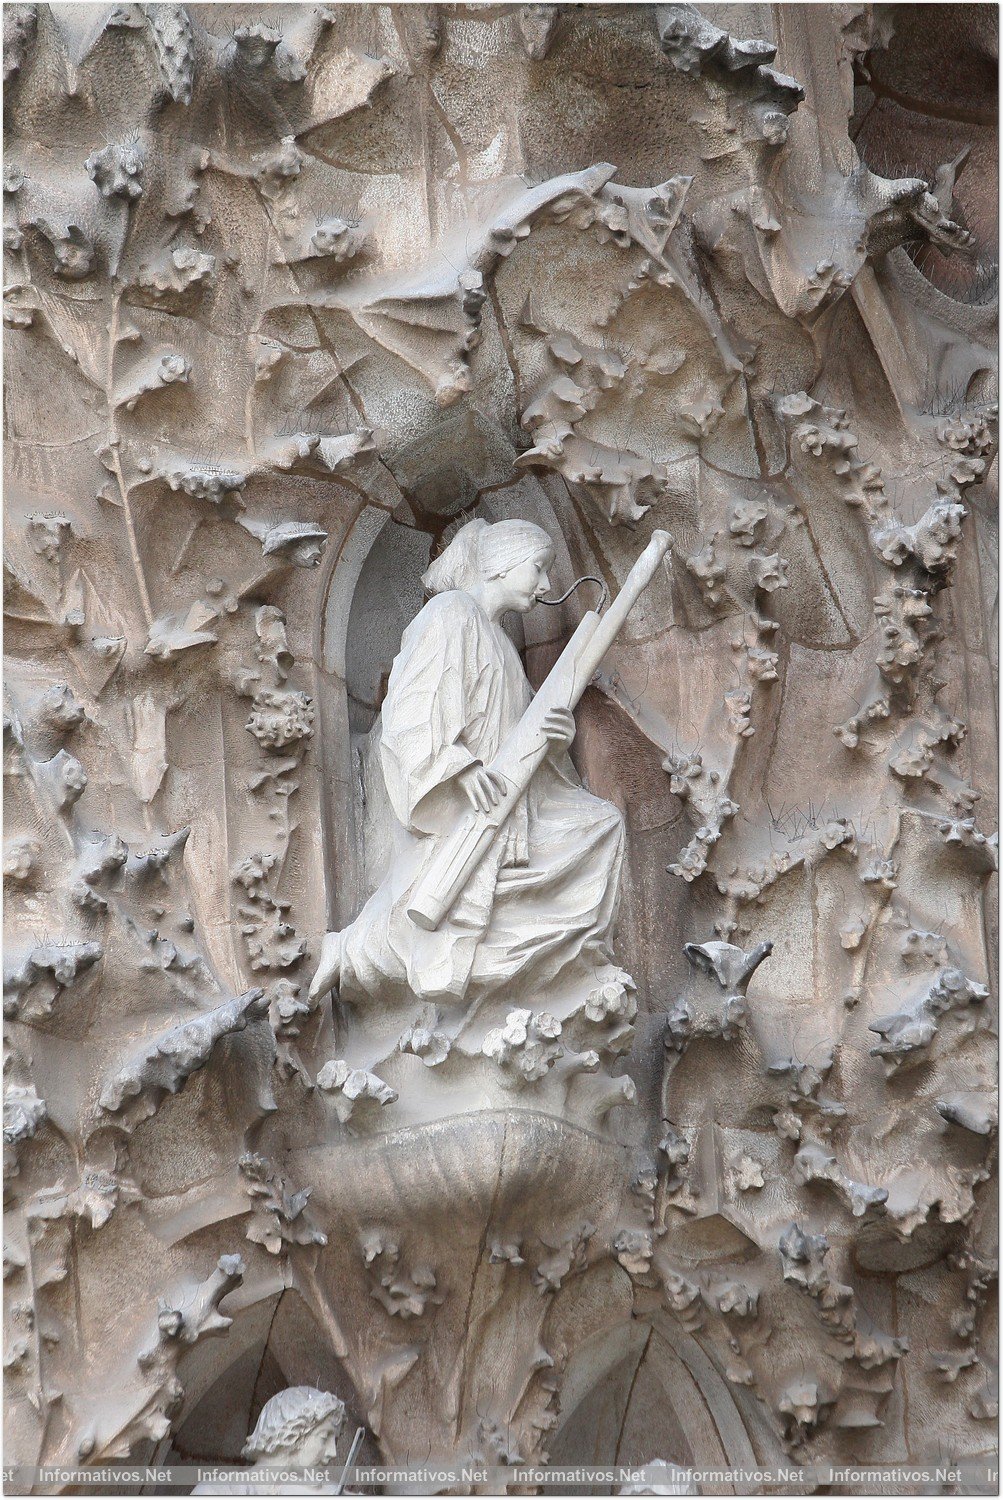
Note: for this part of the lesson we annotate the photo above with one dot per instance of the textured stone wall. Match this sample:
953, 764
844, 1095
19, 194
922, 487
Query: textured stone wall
289, 291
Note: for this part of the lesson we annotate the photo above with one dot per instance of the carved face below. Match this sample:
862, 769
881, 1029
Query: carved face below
319, 1446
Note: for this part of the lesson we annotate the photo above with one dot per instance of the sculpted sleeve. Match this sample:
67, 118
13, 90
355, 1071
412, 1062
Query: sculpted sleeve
428, 711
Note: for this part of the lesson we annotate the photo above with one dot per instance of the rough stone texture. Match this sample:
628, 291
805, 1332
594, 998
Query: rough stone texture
288, 291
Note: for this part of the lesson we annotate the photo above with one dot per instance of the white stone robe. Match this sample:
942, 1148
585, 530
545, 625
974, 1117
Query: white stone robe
545, 894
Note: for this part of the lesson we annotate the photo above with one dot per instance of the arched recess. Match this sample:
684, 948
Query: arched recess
654, 1392
275, 1341
374, 549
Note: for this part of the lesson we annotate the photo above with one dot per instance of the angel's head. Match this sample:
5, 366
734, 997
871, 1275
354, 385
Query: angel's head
507, 562
298, 1427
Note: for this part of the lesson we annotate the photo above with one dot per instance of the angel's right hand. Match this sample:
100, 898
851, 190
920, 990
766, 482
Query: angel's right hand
484, 789
329, 968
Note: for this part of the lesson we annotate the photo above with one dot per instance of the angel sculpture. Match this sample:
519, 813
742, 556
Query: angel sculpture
297, 1430
538, 909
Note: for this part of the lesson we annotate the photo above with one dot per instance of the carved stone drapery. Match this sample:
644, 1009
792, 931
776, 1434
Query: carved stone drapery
289, 291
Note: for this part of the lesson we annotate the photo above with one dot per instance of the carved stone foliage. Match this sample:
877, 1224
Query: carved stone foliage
292, 293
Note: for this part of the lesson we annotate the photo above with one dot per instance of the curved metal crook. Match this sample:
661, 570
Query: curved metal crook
603, 599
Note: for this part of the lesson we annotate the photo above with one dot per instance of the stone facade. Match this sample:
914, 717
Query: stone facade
291, 293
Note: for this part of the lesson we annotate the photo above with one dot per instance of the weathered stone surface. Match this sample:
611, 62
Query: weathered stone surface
292, 292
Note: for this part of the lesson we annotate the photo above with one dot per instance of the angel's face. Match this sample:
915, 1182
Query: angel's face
319, 1447
526, 583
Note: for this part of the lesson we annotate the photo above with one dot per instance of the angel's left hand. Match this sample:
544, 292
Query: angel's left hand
559, 726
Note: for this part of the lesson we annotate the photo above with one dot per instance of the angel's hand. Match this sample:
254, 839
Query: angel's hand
329, 968
559, 726
484, 789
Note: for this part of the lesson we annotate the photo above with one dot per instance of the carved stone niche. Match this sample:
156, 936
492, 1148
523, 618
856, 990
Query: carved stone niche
293, 296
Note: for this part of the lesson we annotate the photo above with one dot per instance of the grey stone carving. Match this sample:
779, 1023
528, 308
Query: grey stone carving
673, 1132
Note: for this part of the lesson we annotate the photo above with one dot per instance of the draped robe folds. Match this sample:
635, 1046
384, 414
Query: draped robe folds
544, 897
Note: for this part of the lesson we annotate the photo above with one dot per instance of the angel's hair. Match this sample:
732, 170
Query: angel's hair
481, 550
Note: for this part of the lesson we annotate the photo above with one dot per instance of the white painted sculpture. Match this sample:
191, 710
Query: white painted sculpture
297, 1429
661, 1478
536, 912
